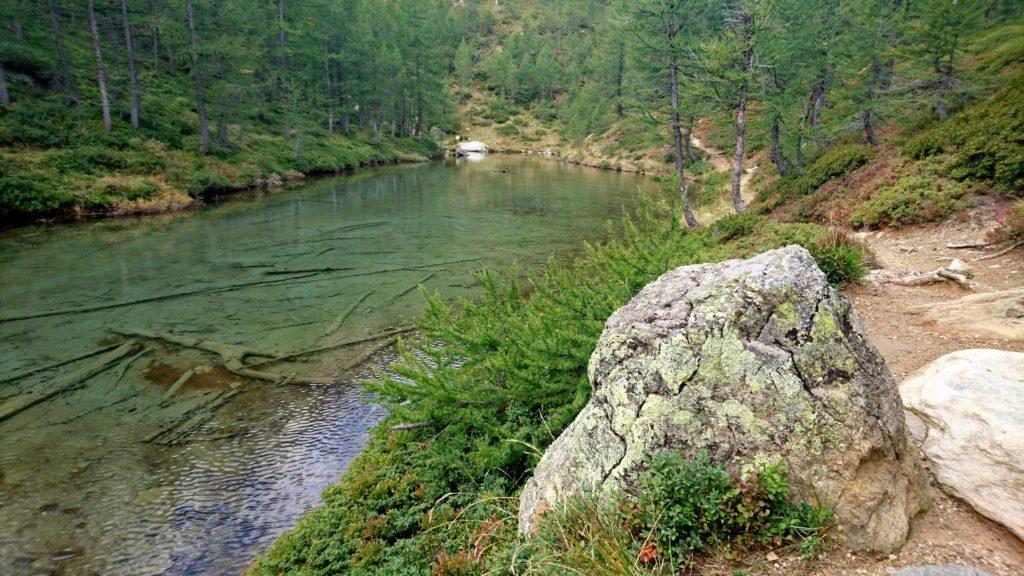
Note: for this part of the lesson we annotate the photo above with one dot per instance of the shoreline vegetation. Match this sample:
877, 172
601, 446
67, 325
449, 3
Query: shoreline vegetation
819, 120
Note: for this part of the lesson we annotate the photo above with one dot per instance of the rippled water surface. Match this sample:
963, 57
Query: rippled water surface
117, 475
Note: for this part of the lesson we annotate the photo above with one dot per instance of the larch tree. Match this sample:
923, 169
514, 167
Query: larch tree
101, 79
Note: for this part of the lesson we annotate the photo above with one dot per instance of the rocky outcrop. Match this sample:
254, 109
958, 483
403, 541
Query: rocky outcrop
943, 570
471, 147
752, 361
992, 314
967, 408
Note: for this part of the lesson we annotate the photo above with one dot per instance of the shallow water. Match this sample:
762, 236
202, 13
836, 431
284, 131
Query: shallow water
82, 491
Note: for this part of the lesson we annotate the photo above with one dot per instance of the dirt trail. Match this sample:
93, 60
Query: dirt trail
722, 163
949, 531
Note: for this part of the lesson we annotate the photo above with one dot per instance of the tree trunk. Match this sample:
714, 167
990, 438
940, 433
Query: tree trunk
172, 65
620, 70
133, 79
778, 157
101, 80
677, 133
688, 138
285, 97
868, 120
329, 88
741, 121
16, 22
869, 130
204, 126
58, 38
154, 31
5, 97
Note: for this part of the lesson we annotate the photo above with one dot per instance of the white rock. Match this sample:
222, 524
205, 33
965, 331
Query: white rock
967, 408
960, 267
472, 147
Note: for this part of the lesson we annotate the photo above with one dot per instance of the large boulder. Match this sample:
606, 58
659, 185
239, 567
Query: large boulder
752, 361
967, 408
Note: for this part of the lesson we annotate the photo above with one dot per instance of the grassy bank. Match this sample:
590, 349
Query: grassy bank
507, 375
83, 171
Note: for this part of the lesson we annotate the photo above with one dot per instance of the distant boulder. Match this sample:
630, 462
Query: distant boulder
471, 147
751, 361
967, 408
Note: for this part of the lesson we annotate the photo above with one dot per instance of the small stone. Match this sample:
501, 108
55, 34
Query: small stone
772, 557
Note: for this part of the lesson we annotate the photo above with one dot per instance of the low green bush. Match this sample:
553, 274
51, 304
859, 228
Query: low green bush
841, 259
835, 162
23, 194
914, 199
687, 508
985, 141
508, 130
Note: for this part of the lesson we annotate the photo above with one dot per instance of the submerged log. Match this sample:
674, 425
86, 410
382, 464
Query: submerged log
232, 356
340, 320
24, 373
66, 383
191, 420
121, 304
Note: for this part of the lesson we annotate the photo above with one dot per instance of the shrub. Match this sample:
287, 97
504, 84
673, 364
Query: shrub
833, 163
1010, 224
986, 141
30, 193
912, 200
690, 507
840, 258
508, 130
734, 226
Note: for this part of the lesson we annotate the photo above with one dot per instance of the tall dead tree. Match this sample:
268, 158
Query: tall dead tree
133, 78
204, 125
101, 79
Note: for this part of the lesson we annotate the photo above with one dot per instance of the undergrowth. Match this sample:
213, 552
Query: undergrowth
678, 512
914, 199
501, 378
835, 162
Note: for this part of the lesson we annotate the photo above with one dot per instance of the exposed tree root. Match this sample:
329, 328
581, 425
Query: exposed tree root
1002, 252
66, 383
963, 245
416, 426
919, 278
399, 296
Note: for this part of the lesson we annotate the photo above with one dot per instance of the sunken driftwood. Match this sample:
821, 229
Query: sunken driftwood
37, 369
191, 420
340, 320
232, 356
66, 383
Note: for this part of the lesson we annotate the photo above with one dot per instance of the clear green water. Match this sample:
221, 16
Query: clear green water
83, 492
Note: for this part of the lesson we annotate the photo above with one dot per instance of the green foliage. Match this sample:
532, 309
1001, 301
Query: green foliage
985, 141
690, 507
915, 198
23, 194
840, 258
508, 130
500, 379
835, 162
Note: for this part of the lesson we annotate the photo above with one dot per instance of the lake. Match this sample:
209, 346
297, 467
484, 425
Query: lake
154, 458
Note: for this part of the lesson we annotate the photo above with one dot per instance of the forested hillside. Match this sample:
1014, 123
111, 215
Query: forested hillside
124, 105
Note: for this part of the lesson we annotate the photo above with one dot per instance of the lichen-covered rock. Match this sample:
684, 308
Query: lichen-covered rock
967, 408
752, 361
